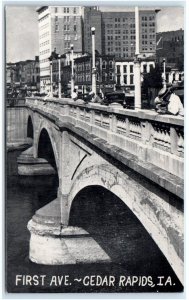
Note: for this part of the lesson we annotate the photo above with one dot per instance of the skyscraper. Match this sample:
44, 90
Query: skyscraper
118, 33
92, 17
59, 27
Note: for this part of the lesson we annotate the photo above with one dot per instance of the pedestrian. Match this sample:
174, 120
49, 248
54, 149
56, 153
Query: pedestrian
168, 102
74, 95
95, 98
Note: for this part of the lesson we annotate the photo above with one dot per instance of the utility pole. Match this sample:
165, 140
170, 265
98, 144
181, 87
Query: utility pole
137, 73
51, 80
59, 76
164, 74
93, 61
72, 74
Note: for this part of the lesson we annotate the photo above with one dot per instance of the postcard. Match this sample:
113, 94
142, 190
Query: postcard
94, 105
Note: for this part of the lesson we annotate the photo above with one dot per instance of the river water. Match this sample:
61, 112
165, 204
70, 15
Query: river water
106, 218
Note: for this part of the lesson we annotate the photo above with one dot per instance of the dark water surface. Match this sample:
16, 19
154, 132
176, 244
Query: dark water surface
105, 217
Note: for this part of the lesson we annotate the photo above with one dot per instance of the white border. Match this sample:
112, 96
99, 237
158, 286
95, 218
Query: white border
36, 296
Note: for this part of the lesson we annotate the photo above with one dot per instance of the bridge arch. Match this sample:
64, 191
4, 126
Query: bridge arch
43, 125
30, 129
45, 148
147, 207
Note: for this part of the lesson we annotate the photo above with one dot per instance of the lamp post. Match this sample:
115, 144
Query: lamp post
51, 80
137, 73
164, 74
93, 61
72, 74
59, 76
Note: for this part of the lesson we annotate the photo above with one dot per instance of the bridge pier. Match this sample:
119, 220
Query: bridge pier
30, 166
54, 243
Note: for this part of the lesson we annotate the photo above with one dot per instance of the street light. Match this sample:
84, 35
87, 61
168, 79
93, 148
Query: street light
51, 80
72, 75
164, 74
137, 73
59, 76
93, 61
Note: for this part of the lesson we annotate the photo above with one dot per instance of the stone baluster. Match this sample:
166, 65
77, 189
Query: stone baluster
180, 144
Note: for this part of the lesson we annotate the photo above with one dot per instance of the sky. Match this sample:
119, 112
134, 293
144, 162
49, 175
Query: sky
22, 28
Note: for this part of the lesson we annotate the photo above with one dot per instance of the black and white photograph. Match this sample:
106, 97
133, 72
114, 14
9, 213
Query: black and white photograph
94, 147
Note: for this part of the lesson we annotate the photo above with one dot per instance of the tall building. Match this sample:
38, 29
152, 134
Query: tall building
92, 17
118, 33
59, 27
170, 46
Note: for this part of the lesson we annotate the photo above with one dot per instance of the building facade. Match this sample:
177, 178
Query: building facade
124, 71
105, 72
24, 74
92, 17
170, 46
59, 27
65, 70
118, 33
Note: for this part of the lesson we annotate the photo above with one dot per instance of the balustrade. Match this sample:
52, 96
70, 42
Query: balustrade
132, 131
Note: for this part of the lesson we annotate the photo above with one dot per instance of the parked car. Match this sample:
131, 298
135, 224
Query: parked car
114, 97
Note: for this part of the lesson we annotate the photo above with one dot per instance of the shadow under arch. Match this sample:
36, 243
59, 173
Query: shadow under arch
45, 149
112, 224
30, 128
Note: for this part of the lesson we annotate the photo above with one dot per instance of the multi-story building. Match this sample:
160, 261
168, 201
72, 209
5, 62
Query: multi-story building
24, 74
105, 72
118, 33
59, 27
170, 46
92, 17
10, 74
65, 69
125, 71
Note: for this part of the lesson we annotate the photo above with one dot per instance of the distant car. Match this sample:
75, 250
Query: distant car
114, 97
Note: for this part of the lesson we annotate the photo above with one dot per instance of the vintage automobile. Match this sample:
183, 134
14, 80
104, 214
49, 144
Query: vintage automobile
114, 97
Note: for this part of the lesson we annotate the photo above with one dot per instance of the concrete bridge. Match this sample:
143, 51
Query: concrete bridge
137, 155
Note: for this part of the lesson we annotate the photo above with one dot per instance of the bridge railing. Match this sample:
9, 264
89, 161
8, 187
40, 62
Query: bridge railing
151, 138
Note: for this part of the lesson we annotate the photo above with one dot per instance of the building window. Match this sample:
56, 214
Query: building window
74, 19
118, 79
104, 64
118, 69
56, 10
131, 79
56, 18
111, 76
66, 27
124, 69
66, 10
56, 28
111, 64
75, 28
125, 79
75, 10
104, 76
75, 37
144, 68
131, 69
66, 18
